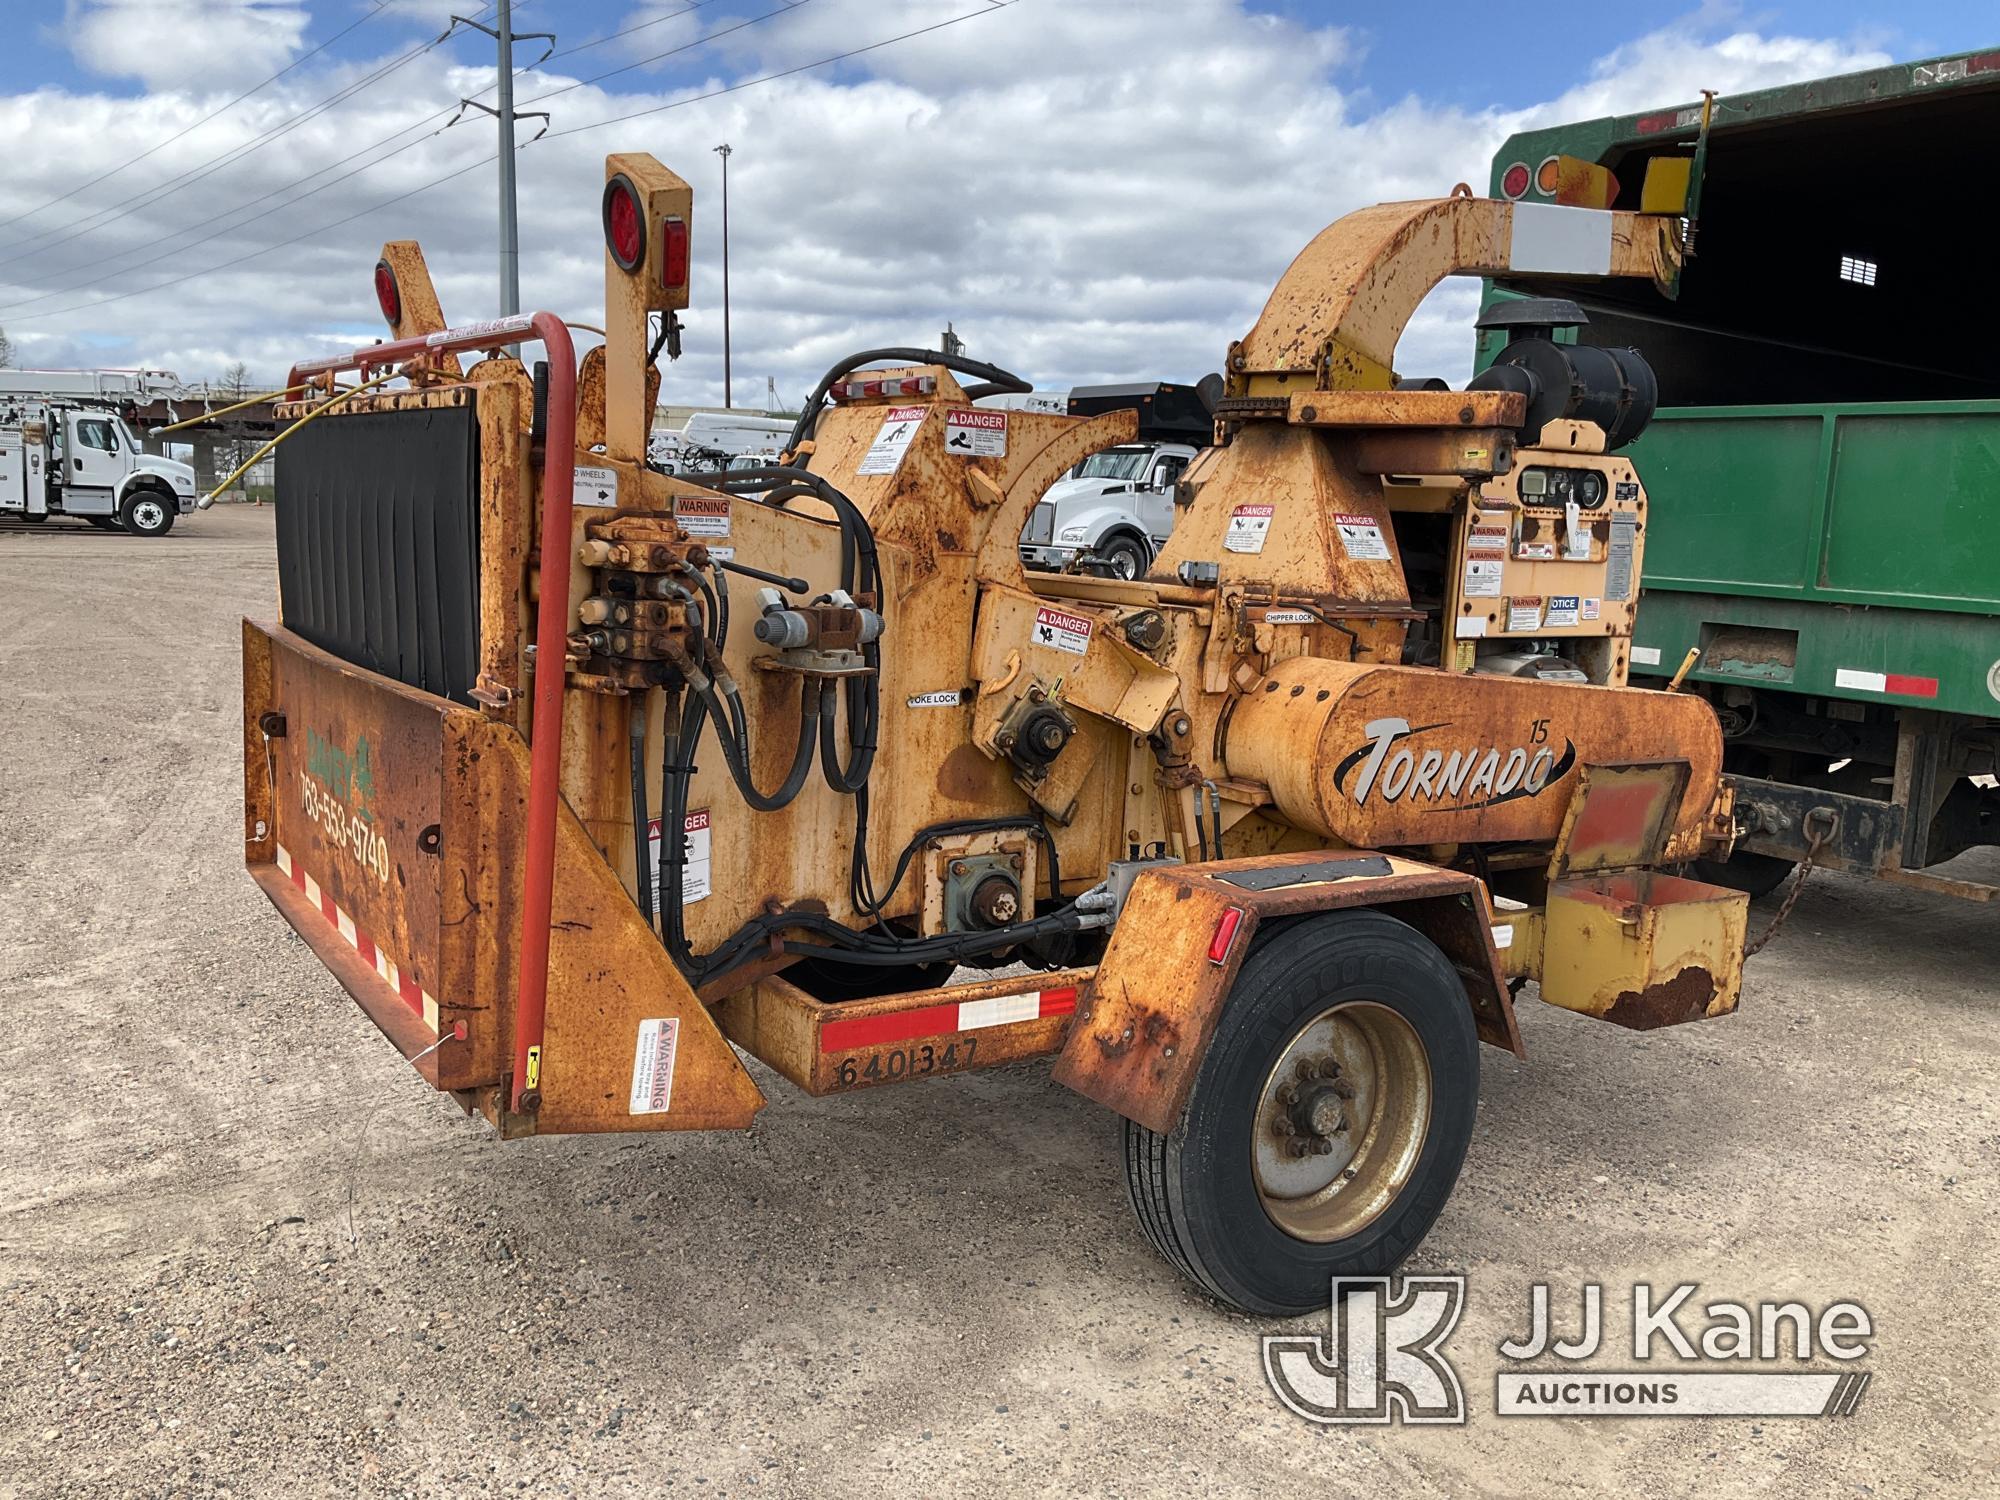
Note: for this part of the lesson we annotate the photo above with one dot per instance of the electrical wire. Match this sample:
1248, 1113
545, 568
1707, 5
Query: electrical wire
90, 223
700, 41
320, 230
161, 145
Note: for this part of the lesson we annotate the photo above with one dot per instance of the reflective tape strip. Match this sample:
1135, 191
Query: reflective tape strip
1900, 683
946, 1019
412, 994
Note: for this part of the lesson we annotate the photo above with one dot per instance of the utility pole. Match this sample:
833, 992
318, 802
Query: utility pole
728, 390
510, 228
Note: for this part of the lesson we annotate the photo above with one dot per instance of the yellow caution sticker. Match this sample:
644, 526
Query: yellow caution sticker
534, 1068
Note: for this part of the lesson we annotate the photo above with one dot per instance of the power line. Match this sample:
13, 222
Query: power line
104, 217
64, 233
381, 5
702, 41
230, 228
990, 8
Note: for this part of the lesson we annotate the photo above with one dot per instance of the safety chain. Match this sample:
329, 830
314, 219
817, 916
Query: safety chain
1792, 897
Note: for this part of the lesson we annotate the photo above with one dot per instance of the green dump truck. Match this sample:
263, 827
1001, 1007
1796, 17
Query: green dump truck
1824, 473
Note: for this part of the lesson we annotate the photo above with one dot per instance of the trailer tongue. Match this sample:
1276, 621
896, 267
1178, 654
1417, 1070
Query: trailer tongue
580, 776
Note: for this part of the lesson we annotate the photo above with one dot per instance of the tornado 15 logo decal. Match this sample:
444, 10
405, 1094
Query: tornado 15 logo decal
1461, 777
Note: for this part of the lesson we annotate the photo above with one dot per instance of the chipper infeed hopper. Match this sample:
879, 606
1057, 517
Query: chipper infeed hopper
580, 777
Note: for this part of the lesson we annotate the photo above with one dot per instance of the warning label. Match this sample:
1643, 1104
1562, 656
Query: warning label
1618, 575
702, 515
1249, 525
1489, 540
593, 486
1288, 617
1062, 632
1524, 612
885, 454
653, 1065
1361, 538
1529, 551
694, 849
1562, 611
950, 698
976, 434
1482, 579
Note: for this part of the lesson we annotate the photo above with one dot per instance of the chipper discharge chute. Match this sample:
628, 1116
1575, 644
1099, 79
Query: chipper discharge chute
580, 776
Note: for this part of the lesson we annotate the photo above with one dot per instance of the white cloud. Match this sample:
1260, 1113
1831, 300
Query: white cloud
198, 45
1086, 191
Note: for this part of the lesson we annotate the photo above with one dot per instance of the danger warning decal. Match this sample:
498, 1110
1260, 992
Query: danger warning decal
694, 847
702, 515
976, 434
1249, 525
1061, 631
885, 454
1361, 538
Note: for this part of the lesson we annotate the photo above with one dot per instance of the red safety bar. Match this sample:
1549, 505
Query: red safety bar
551, 635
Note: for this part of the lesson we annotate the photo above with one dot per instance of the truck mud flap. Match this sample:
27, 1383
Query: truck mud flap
388, 826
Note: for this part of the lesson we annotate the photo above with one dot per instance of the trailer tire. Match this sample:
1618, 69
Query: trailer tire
147, 513
1126, 555
1745, 870
1221, 1197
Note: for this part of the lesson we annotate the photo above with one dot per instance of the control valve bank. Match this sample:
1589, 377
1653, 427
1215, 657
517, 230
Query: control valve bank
636, 770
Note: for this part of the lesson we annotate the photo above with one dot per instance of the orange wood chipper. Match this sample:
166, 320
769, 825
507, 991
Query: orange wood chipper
580, 777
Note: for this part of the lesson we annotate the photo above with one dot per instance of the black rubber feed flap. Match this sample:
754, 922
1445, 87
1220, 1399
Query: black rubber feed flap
1278, 877
378, 543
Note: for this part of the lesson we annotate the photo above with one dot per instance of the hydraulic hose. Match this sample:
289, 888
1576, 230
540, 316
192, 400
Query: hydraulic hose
736, 750
641, 812
997, 378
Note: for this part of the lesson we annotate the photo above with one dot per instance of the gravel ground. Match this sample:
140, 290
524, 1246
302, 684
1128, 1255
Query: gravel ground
243, 1249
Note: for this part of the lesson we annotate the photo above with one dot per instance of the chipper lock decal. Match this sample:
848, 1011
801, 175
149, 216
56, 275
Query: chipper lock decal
625, 771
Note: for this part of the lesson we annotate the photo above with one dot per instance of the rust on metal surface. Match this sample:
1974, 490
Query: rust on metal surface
1138, 1043
828, 1047
1254, 697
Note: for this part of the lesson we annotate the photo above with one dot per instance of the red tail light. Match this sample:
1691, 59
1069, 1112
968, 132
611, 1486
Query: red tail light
624, 226
388, 294
1225, 934
674, 254
1514, 182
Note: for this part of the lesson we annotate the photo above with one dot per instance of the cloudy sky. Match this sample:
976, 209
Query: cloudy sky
1086, 189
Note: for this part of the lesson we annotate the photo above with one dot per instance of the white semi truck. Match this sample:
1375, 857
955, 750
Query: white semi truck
1114, 511
65, 450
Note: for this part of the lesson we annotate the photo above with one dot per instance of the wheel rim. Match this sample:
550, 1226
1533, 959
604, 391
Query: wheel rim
1124, 563
148, 514
1341, 1121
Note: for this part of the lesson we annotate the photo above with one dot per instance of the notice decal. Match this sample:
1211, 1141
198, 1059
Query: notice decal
1482, 579
702, 515
899, 428
1061, 631
1249, 525
593, 486
1361, 538
653, 1066
694, 847
1563, 611
976, 434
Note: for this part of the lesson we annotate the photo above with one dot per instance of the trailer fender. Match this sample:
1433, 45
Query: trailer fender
1137, 1043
